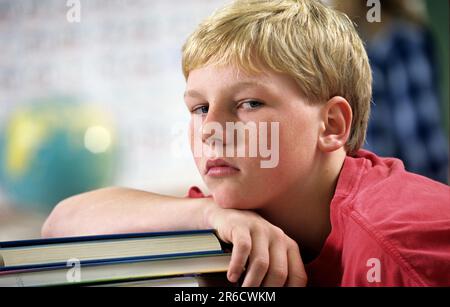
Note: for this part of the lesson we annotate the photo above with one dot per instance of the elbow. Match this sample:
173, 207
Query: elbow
69, 217
47, 230
55, 225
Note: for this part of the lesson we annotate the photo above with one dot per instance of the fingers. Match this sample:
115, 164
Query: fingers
259, 261
272, 258
296, 271
242, 244
270, 265
278, 269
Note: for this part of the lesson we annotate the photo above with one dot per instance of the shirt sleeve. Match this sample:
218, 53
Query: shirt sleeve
195, 192
397, 252
370, 261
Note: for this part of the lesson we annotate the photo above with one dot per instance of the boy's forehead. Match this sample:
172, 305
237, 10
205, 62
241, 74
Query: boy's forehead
227, 77
229, 73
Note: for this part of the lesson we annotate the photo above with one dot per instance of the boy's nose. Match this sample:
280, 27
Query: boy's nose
214, 128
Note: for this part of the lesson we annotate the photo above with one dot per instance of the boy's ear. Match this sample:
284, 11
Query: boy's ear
336, 124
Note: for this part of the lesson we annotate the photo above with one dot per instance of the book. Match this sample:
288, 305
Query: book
111, 258
27, 254
116, 272
196, 280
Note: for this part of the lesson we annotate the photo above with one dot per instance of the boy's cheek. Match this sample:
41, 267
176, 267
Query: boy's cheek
198, 162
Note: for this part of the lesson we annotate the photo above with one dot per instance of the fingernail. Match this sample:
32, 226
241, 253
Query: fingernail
233, 277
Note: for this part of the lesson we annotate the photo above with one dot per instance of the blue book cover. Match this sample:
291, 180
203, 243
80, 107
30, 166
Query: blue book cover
99, 238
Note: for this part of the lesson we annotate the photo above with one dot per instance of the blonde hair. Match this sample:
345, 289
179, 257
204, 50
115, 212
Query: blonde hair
316, 45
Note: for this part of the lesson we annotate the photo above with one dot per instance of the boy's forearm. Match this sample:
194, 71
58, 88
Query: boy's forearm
119, 210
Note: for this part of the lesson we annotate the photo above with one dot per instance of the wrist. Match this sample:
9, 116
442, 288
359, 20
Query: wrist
209, 207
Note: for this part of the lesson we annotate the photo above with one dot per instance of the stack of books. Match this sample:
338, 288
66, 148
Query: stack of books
188, 258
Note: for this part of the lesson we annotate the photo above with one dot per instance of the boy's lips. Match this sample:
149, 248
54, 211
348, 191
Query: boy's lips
220, 168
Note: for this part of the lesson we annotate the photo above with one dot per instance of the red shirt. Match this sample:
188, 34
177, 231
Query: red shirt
389, 228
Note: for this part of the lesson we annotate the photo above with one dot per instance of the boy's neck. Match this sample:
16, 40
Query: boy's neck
304, 212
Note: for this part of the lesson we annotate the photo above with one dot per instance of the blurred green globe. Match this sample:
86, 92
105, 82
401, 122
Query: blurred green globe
55, 148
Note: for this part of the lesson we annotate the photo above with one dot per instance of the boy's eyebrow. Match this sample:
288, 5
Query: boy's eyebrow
193, 94
235, 87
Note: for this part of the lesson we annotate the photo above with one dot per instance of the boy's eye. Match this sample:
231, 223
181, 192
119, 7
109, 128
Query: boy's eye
250, 105
200, 110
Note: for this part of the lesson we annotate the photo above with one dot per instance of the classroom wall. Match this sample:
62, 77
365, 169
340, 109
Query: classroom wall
123, 55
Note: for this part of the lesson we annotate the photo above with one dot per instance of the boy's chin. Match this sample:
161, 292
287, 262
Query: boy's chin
229, 199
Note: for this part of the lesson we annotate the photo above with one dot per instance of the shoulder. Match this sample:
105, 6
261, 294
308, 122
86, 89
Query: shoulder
369, 178
401, 217
385, 191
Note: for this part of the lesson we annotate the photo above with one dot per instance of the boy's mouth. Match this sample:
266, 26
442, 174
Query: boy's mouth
220, 168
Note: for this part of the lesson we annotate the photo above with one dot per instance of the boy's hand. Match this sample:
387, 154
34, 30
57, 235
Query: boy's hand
273, 258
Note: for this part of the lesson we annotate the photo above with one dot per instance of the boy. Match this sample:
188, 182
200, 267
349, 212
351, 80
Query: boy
353, 218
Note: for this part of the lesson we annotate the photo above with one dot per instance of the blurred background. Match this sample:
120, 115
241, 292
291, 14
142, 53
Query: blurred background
92, 103
408, 47
99, 102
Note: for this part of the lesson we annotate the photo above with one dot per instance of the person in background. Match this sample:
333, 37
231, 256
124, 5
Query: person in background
405, 119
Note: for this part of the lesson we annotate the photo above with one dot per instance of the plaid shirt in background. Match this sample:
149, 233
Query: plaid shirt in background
405, 118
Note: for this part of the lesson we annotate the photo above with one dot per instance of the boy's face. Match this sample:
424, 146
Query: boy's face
216, 96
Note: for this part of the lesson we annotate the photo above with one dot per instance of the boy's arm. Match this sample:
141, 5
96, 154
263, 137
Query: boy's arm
269, 256
121, 210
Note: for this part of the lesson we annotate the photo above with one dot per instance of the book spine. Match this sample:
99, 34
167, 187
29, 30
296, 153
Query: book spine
96, 262
34, 242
